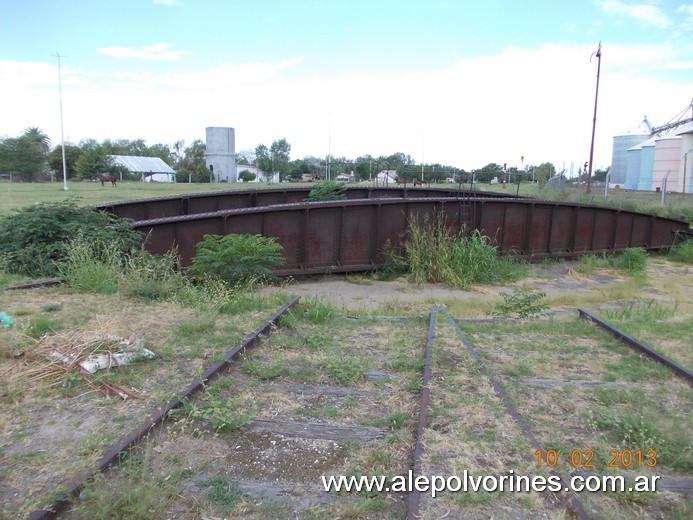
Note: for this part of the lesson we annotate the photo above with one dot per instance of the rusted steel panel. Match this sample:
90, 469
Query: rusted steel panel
264, 198
582, 241
392, 224
190, 232
561, 228
640, 234
624, 226
160, 238
538, 239
490, 220
243, 224
321, 240
287, 227
515, 222
602, 229
661, 233
356, 236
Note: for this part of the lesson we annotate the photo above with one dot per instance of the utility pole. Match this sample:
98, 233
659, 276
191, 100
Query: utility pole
594, 120
62, 133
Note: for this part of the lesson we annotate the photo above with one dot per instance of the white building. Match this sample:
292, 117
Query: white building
150, 169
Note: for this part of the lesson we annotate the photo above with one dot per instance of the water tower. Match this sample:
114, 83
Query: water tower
220, 156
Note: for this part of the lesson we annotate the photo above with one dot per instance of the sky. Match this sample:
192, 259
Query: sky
456, 82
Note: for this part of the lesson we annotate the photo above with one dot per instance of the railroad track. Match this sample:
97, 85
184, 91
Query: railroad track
563, 399
329, 396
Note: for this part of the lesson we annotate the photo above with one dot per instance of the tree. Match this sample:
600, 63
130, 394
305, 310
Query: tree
163, 151
92, 161
363, 169
280, 151
72, 154
544, 172
192, 167
263, 159
23, 156
247, 176
488, 172
600, 175
245, 157
36, 135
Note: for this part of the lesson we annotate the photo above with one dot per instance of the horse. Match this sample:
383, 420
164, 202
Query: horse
402, 181
103, 177
418, 182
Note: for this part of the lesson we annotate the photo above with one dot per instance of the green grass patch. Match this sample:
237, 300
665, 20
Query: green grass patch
433, 254
682, 252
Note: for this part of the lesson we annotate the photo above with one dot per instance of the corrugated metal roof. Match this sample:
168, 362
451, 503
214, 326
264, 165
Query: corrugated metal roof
142, 164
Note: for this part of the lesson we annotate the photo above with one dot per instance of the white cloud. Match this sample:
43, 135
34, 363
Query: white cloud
166, 2
157, 52
644, 12
536, 103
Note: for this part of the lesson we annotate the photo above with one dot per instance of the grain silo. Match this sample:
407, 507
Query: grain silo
667, 150
633, 167
619, 156
646, 164
220, 155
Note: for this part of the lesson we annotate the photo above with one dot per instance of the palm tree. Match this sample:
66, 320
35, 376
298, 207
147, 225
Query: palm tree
36, 135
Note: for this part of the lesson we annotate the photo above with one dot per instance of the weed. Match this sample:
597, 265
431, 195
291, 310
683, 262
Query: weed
222, 415
151, 277
632, 430
142, 490
433, 254
52, 307
642, 309
397, 420
590, 263
519, 369
344, 369
195, 327
327, 190
236, 258
263, 371
222, 492
318, 311
91, 266
632, 260
521, 304
40, 325
682, 252
633, 367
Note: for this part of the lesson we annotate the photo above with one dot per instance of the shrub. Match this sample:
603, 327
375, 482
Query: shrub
91, 266
633, 260
151, 277
240, 259
34, 241
433, 254
327, 190
683, 252
521, 304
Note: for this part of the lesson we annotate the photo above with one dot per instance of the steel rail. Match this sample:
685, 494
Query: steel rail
178, 205
414, 499
574, 502
33, 285
639, 346
67, 491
